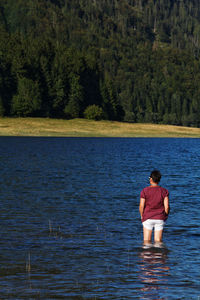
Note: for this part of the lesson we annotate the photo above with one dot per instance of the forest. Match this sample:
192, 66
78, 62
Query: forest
125, 60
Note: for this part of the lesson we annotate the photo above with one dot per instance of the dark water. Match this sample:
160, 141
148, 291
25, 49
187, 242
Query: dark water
69, 222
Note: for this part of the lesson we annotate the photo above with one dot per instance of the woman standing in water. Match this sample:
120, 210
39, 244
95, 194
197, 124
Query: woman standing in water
154, 208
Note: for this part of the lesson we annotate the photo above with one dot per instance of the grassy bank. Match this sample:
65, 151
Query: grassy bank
86, 128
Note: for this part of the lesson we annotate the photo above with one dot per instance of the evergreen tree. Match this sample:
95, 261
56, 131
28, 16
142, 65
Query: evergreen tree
27, 101
74, 107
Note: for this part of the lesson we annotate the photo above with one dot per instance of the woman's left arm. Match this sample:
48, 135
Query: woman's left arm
166, 205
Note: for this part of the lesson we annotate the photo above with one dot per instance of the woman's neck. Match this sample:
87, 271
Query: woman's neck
154, 184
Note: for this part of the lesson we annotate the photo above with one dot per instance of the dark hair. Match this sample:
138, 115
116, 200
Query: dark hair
156, 176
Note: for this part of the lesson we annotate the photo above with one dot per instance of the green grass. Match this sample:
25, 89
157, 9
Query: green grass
88, 128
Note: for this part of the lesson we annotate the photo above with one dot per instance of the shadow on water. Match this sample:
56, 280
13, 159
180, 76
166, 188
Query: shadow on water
154, 271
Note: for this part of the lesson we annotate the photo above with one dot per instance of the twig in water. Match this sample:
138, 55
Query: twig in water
50, 227
128, 259
28, 264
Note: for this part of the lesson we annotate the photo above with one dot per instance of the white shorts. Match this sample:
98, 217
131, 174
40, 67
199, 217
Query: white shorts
156, 224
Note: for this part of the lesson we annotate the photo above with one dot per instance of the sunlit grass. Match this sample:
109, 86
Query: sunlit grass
88, 128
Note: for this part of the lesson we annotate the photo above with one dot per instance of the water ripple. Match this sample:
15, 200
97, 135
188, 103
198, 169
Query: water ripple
70, 227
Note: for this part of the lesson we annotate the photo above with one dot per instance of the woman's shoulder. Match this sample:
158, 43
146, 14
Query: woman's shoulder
144, 192
164, 190
146, 189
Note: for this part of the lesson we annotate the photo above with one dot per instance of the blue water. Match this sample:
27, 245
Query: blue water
70, 226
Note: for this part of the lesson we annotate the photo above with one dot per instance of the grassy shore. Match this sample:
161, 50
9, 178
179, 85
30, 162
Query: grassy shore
87, 128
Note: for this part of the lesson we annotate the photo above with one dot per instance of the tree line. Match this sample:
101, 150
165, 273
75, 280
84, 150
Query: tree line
133, 61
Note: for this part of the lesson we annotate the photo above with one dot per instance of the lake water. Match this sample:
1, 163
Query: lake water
70, 226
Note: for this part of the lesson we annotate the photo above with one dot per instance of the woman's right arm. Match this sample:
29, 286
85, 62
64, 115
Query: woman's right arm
166, 205
141, 207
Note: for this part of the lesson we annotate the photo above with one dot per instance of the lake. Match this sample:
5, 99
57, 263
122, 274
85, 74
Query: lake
70, 225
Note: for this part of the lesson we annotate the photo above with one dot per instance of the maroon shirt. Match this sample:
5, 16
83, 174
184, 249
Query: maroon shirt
154, 203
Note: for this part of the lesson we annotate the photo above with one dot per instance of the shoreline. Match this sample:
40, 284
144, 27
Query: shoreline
46, 127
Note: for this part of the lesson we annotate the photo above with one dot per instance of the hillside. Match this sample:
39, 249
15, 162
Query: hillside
135, 60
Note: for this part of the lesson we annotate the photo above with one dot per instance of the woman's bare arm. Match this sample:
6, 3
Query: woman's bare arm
141, 207
166, 205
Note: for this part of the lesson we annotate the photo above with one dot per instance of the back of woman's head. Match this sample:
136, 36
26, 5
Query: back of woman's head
156, 176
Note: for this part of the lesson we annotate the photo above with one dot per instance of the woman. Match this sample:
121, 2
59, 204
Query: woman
154, 208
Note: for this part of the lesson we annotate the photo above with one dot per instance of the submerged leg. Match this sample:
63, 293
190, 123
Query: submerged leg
147, 233
158, 236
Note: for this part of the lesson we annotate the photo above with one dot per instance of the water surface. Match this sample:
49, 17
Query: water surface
70, 227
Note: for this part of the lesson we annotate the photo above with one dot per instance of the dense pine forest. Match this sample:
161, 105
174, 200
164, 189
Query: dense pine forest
127, 60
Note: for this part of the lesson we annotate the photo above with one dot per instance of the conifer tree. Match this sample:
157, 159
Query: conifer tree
27, 101
75, 105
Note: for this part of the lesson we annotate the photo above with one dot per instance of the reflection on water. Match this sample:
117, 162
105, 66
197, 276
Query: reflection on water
154, 271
